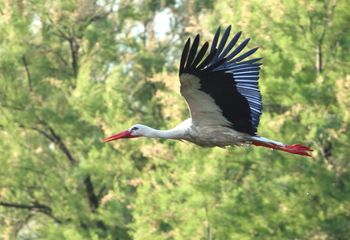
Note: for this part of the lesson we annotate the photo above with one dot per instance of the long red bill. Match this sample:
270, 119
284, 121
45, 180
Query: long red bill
124, 134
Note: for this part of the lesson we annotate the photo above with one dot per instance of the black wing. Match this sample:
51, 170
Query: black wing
225, 75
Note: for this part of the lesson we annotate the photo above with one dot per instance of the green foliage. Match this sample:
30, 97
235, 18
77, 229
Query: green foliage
72, 72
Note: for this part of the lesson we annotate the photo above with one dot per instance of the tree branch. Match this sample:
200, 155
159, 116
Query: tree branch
74, 49
29, 77
34, 206
43, 133
56, 139
62, 146
26, 206
93, 200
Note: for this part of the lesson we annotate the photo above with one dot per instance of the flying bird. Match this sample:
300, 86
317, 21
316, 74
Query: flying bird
221, 89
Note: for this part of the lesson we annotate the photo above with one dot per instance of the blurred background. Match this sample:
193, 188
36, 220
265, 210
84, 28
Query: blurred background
73, 72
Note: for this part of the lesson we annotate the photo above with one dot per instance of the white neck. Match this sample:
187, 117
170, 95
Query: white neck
167, 134
181, 131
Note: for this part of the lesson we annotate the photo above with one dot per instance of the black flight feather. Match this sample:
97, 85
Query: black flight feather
193, 51
184, 55
223, 42
215, 40
207, 60
231, 44
245, 55
238, 49
200, 55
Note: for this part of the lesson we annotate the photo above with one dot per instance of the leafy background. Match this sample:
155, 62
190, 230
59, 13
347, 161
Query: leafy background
72, 72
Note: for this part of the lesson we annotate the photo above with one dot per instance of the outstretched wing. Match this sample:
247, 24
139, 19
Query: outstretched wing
221, 87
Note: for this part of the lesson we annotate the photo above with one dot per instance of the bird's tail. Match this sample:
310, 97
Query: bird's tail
295, 148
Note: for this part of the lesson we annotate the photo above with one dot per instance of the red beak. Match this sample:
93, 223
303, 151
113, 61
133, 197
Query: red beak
124, 134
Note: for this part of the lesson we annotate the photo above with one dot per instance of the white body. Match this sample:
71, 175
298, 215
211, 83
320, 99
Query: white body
214, 136
201, 135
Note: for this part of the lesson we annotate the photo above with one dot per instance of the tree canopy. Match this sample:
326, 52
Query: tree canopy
73, 72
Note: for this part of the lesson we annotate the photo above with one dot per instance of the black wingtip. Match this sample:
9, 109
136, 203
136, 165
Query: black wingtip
197, 38
200, 54
184, 55
238, 49
215, 39
193, 51
207, 59
245, 55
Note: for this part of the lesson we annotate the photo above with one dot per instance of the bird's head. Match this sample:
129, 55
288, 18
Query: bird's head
137, 130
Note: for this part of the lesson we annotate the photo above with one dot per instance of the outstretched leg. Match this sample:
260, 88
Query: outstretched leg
295, 148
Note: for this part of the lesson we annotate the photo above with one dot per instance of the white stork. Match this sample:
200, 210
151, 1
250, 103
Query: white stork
223, 97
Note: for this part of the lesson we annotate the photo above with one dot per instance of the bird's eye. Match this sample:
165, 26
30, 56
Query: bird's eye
134, 128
